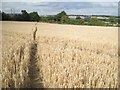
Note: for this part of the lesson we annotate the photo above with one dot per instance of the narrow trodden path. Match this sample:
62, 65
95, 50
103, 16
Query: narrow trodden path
35, 80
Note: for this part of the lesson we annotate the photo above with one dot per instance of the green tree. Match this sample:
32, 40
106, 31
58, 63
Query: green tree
25, 16
112, 20
50, 19
5, 16
34, 16
96, 22
17, 17
43, 19
59, 16
118, 20
64, 19
78, 17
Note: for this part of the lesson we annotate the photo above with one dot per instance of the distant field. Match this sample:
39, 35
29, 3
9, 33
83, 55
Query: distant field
87, 33
61, 56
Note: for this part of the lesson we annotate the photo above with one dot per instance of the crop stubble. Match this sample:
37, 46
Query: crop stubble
62, 56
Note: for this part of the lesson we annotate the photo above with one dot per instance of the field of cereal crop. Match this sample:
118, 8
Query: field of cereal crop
61, 56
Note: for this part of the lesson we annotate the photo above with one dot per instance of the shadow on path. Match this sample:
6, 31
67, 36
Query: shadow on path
35, 80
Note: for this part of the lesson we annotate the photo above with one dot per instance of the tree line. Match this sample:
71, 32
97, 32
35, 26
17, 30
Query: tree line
61, 18
24, 16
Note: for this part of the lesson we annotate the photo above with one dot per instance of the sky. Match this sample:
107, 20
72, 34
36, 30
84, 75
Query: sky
60, 0
52, 8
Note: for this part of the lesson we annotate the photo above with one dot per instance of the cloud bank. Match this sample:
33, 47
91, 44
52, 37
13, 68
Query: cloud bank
52, 8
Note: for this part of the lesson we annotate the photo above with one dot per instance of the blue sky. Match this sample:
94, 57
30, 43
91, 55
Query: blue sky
52, 8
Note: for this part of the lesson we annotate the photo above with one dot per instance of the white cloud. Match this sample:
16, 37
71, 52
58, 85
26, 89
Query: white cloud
47, 8
7, 8
34, 1
93, 11
109, 4
0, 6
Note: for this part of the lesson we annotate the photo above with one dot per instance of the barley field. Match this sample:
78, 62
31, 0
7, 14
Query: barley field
61, 56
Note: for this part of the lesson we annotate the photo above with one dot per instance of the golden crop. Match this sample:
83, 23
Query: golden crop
51, 61
78, 64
